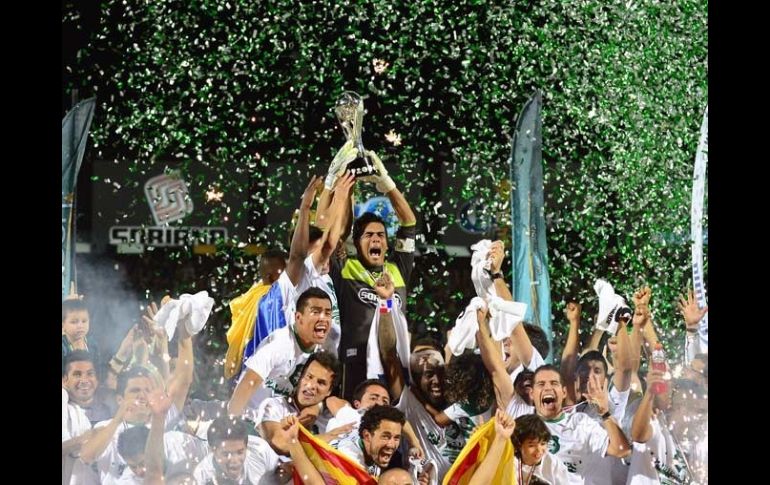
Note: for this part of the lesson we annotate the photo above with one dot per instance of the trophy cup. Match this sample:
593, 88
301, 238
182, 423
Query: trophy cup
350, 114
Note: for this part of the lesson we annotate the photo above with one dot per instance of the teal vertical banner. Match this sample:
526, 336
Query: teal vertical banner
529, 253
74, 134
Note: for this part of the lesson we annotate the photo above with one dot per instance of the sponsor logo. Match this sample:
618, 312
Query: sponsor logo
166, 236
169, 201
471, 217
383, 208
168, 198
369, 296
554, 446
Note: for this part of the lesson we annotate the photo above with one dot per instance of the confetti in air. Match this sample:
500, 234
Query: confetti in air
213, 195
380, 65
243, 91
393, 137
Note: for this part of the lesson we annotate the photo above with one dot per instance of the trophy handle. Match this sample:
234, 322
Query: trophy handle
358, 121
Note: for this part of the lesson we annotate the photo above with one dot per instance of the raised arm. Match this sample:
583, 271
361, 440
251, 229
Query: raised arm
243, 392
641, 335
404, 212
300, 241
597, 394
323, 206
286, 436
415, 449
641, 429
334, 222
596, 339
637, 338
122, 358
692, 316
182, 378
623, 362
154, 450
569, 355
386, 186
520, 343
386, 340
347, 217
92, 449
492, 358
648, 329
158, 343
649, 335
496, 256
485, 473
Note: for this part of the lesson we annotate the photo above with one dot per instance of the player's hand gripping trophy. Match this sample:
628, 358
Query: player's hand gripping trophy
364, 164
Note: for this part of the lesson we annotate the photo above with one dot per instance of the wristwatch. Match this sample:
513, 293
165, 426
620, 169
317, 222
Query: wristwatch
496, 276
606, 415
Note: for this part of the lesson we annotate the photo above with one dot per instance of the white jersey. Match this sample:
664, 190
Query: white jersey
631, 407
656, 462
442, 445
550, 471
535, 362
260, 465
278, 361
276, 408
127, 478
178, 446
74, 423
346, 415
517, 407
466, 418
607, 470
576, 439
352, 447
618, 403
313, 278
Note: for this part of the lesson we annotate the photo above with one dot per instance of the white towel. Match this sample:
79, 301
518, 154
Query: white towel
463, 334
374, 368
505, 315
500, 324
609, 304
483, 284
192, 311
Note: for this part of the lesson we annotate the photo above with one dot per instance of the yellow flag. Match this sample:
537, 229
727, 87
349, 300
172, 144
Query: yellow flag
473, 454
244, 312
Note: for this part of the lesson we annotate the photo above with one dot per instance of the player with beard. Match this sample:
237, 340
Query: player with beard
422, 397
286, 437
379, 437
370, 393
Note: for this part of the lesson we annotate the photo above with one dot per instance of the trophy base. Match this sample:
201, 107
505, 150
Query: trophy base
362, 167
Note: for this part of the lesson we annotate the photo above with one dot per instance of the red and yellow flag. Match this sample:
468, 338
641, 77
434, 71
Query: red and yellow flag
473, 454
334, 466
